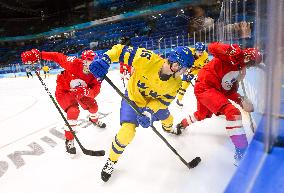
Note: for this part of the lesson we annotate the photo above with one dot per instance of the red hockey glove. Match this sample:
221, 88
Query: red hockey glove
236, 54
125, 68
125, 71
30, 57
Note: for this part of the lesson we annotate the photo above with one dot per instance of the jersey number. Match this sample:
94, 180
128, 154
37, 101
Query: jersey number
146, 53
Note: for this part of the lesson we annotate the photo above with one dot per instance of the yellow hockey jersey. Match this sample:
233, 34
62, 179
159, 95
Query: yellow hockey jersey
145, 87
199, 62
45, 68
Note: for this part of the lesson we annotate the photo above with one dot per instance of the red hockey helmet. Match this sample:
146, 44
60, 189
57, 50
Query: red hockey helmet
253, 56
88, 55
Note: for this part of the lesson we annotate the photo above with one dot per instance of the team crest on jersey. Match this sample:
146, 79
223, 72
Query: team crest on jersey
77, 82
229, 79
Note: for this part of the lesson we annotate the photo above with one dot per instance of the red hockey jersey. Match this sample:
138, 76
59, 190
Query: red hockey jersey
73, 75
220, 74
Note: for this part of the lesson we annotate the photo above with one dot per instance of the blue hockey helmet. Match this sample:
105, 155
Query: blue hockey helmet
199, 46
181, 55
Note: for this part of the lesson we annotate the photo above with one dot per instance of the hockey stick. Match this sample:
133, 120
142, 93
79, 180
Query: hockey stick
193, 163
250, 118
84, 150
191, 83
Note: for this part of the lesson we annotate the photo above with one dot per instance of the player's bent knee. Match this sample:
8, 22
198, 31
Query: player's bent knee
93, 108
126, 133
231, 112
73, 112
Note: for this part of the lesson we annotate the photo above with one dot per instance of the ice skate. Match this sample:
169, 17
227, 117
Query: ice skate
239, 154
70, 148
107, 170
97, 123
175, 131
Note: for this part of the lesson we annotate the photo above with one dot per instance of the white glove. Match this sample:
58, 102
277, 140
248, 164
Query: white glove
247, 105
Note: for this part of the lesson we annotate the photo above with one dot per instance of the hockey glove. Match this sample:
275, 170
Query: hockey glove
125, 68
188, 77
247, 105
30, 57
146, 119
99, 68
125, 71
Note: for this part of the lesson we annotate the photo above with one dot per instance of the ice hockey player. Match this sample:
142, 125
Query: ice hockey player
200, 59
75, 86
29, 72
217, 83
45, 70
152, 87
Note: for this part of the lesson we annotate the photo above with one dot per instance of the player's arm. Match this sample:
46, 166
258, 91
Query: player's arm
244, 102
113, 54
119, 53
219, 50
132, 57
94, 88
99, 67
230, 53
61, 59
236, 97
34, 55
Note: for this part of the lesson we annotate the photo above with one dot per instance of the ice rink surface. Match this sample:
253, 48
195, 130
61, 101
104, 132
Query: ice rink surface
33, 158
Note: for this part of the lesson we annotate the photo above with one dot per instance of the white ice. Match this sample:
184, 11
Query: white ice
147, 165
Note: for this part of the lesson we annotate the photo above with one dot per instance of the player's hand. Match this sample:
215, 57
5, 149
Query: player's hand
236, 54
247, 105
190, 77
31, 57
146, 119
99, 68
125, 71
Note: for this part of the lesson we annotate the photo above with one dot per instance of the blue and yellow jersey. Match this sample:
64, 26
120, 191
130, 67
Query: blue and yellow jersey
199, 62
145, 87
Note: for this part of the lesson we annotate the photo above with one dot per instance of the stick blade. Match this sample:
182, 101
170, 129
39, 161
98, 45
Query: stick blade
94, 153
193, 163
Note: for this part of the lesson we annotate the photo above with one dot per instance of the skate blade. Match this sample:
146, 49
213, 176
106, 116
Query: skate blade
71, 156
